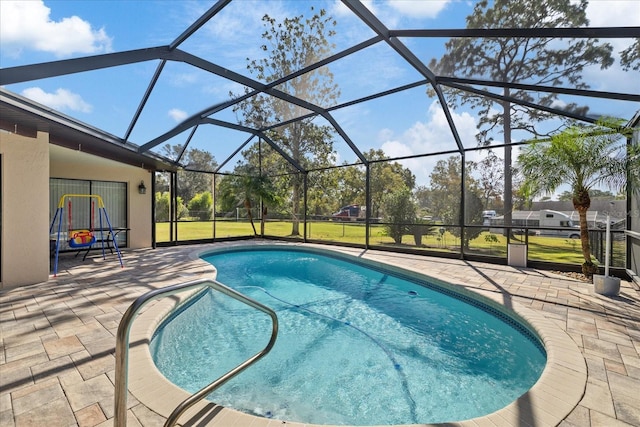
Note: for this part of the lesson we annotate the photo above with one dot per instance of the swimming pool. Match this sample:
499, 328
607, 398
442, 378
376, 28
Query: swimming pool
372, 346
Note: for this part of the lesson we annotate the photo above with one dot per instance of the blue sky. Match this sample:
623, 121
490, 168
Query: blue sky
403, 124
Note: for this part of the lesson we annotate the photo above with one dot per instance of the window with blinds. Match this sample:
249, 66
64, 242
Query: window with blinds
113, 194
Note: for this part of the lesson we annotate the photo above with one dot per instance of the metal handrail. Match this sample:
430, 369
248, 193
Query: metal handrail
633, 234
122, 347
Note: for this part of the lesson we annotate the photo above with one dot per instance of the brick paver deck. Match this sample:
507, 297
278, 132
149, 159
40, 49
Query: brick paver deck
58, 337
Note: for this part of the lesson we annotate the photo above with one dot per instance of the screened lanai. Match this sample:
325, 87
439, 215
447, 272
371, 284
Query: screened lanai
393, 125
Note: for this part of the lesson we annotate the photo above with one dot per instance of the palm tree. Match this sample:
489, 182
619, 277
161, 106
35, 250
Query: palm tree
246, 188
583, 158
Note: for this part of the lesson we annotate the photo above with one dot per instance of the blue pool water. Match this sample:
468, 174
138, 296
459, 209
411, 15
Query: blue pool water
356, 345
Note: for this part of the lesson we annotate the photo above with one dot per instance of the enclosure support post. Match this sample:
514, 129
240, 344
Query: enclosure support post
463, 179
304, 234
213, 191
261, 204
153, 209
173, 214
367, 196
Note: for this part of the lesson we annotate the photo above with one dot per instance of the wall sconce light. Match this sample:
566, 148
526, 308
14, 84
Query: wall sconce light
141, 188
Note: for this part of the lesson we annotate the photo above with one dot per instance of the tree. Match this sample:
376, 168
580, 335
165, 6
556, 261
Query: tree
445, 180
247, 188
522, 199
594, 193
161, 182
543, 61
630, 57
163, 204
421, 228
386, 177
351, 186
261, 159
322, 193
583, 158
422, 194
200, 206
225, 201
472, 216
291, 45
190, 183
491, 181
400, 213
445, 197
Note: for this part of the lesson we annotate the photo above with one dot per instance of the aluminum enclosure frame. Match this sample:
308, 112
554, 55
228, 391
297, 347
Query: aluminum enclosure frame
68, 132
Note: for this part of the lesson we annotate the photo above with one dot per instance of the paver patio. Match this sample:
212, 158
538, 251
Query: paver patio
58, 337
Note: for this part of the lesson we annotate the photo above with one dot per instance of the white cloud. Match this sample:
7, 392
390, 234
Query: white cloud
184, 79
61, 99
395, 148
234, 34
177, 115
26, 25
222, 90
369, 5
238, 23
434, 134
619, 13
559, 104
390, 11
430, 136
339, 9
418, 9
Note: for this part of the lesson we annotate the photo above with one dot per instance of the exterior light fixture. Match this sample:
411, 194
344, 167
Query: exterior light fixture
141, 188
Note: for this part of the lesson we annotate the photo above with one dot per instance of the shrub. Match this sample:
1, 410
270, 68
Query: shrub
162, 207
200, 206
400, 212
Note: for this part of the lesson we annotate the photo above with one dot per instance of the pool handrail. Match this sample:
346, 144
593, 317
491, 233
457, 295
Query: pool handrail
122, 347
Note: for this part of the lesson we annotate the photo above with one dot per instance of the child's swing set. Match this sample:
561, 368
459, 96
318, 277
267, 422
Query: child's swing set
83, 238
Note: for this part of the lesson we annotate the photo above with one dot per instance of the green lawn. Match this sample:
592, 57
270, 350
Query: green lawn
541, 248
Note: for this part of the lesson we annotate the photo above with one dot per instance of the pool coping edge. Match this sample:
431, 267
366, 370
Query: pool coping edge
557, 392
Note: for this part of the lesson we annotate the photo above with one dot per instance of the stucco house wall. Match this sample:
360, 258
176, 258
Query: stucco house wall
27, 164
25, 209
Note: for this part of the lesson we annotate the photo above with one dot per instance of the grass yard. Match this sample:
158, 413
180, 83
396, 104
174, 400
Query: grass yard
541, 248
